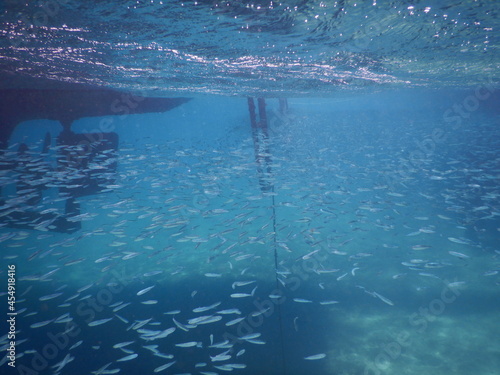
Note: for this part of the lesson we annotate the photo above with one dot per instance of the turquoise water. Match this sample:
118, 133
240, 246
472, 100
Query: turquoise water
357, 234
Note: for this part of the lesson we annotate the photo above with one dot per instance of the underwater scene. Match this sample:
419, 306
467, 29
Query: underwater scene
249, 187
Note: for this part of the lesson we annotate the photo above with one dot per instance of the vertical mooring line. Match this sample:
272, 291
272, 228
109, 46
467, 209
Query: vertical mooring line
278, 283
260, 136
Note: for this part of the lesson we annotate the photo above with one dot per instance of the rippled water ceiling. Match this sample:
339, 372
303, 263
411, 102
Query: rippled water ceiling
243, 47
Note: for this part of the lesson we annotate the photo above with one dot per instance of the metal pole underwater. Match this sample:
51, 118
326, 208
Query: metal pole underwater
260, 136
